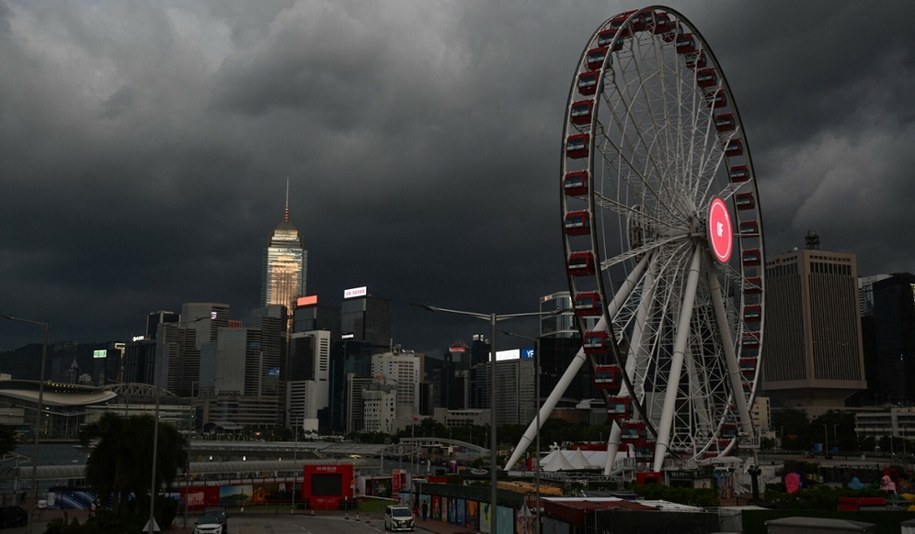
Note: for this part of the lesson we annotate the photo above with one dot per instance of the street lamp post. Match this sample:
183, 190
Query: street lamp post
151, 525
38, 412
826, 441
537, 437
493, 318
295, 457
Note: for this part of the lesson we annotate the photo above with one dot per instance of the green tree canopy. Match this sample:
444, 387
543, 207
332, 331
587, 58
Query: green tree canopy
121, 461
794, 428
7, 440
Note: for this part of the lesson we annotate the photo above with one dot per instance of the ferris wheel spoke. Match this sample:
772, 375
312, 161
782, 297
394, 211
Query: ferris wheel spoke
638, 179
715, 157
698, 393
643, 83
627, 287
636, 252
693, 161
638, 350
633, 212
623, 120
629, 126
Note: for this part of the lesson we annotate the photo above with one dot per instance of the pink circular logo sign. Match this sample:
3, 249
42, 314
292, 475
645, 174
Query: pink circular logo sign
720, 235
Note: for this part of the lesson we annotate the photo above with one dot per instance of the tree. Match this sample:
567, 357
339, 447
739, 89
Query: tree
794, 427
120, 463
7, 440
835, 428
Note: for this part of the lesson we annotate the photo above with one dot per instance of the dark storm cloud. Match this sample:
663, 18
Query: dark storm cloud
144, 148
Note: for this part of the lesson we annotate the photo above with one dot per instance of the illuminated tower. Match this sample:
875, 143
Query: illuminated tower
285, 262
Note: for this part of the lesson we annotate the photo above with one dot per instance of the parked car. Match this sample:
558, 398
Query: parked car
220, 514
13, 516
208, 524
398, 518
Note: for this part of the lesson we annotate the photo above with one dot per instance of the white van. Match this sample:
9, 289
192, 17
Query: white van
397, 518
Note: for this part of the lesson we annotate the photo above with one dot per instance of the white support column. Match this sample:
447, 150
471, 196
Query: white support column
549, 404
635, 351
676, 364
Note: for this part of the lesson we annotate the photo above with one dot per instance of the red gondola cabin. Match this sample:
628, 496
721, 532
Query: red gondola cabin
587, 83
587, 303
581, 112
706, 77
581, 264
596, 341
607, 377
733, 148
577, 146
686, 44
594, 58
575, 183
619, 408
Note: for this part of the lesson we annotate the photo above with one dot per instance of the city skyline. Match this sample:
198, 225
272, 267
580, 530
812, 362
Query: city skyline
142, 161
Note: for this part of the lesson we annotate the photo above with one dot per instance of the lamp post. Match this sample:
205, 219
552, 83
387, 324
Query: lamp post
38, 412
493, 318
295, 457
537, 396
826, 441
151, 525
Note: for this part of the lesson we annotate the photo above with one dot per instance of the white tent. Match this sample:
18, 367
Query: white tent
557, 461
560, 460
577, 459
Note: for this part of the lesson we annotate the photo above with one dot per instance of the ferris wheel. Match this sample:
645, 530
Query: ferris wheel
663, 240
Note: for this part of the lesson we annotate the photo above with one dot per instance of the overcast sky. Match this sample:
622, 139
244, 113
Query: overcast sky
145, 146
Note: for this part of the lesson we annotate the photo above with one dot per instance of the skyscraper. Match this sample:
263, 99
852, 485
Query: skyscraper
894, 338
562, 324
812, 356
364, 317
285, 264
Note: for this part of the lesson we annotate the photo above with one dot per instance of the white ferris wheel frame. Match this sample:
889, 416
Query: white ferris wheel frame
647, 148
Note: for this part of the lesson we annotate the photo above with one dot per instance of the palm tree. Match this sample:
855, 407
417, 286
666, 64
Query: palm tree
120, 462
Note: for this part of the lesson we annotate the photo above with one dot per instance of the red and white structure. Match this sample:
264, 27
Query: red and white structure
663, 238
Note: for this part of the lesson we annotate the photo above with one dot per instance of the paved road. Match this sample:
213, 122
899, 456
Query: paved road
327, 523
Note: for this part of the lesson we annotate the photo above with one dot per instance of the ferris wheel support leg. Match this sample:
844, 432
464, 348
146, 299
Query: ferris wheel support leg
730, 355
676, 364
613, 446
548, 406
635, 353
612, 309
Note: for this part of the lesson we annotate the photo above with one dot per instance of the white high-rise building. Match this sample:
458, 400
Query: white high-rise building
308, 386
380, 409
403, 370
